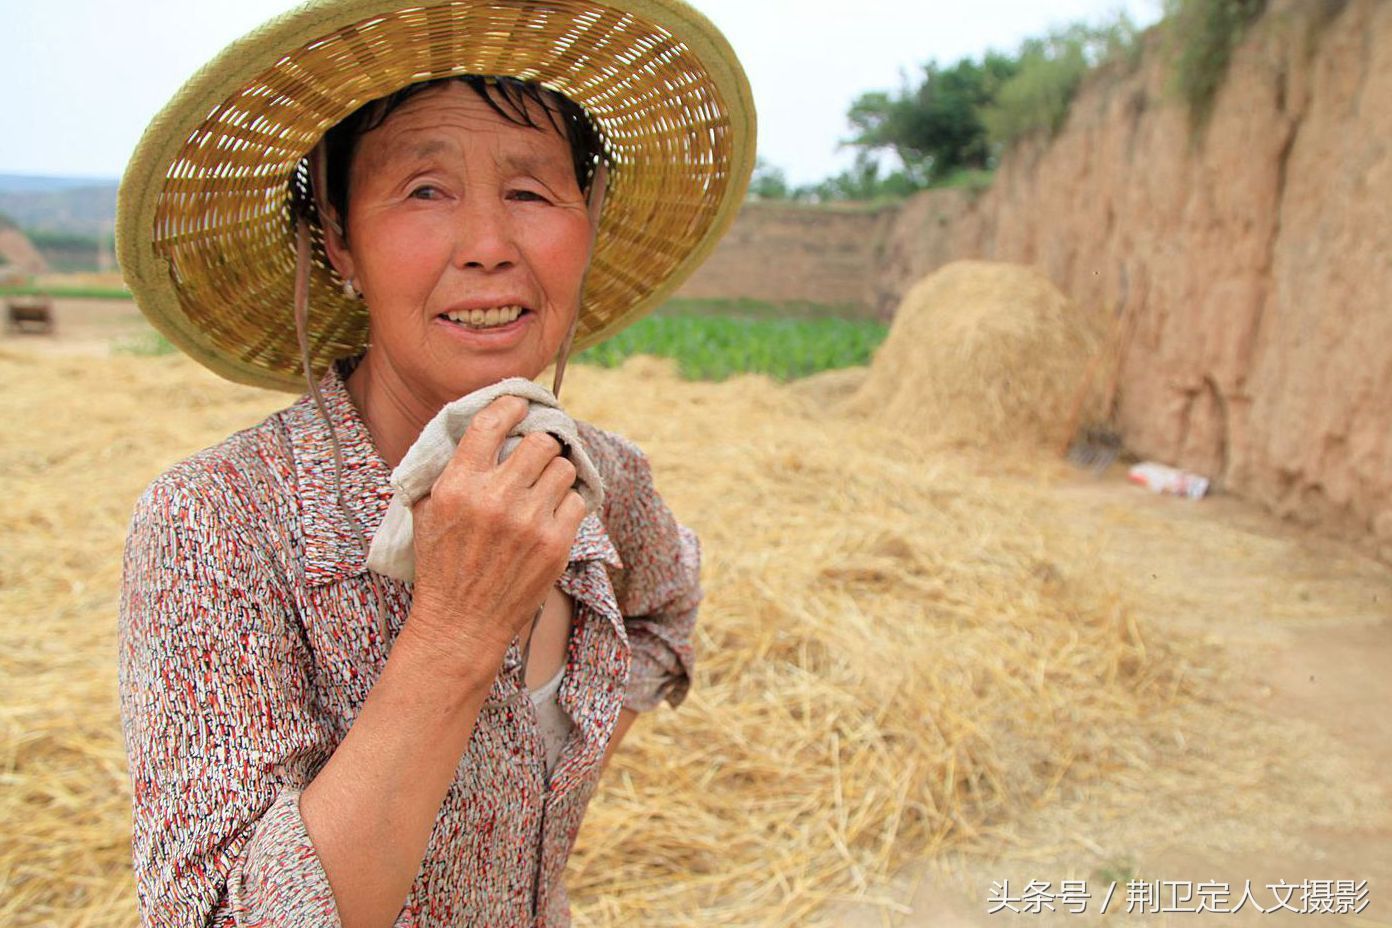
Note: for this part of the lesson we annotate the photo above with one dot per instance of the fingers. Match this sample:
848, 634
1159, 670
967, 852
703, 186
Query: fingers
556, 480
571, 512
532, 456
483, 439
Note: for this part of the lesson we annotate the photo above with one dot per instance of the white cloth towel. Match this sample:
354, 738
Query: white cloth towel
392, 552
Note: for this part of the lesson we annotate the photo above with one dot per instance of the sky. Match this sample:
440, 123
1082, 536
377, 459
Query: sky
81, 79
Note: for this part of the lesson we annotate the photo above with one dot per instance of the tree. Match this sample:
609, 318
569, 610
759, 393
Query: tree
1048, 72
950, 129
862, 181
769, 182
935, 128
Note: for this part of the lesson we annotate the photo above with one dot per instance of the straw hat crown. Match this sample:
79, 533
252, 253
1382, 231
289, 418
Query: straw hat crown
204, 232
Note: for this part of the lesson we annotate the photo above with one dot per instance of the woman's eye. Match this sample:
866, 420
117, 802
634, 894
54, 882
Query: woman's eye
425, 192
528, 196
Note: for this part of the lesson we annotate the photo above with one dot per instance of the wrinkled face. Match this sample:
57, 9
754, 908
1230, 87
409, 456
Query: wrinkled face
468, 237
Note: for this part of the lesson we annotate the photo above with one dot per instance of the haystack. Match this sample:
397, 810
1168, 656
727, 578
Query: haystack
982, 353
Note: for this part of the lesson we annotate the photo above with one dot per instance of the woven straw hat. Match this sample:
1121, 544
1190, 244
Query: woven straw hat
204, 231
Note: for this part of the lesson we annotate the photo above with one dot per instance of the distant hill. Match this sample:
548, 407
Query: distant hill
17, 253
31, 183
73, 205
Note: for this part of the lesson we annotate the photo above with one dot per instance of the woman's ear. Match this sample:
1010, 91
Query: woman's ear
334, 228
336, 243
599, 187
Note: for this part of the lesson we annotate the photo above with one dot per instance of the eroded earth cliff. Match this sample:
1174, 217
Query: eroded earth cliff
1248, 265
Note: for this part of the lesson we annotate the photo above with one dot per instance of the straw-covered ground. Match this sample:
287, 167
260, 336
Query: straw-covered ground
905, 652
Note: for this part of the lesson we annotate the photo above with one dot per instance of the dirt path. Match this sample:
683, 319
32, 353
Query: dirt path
1304, 629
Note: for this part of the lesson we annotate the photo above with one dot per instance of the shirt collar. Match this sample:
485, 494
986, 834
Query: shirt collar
332, 548
592, 543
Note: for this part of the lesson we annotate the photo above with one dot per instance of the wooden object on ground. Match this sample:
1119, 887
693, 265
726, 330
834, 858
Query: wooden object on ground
29, 314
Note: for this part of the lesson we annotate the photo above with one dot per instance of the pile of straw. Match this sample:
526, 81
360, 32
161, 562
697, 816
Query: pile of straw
897, 656
894, 660
983, 353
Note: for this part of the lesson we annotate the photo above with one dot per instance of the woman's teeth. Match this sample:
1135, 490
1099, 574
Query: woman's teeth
485, 318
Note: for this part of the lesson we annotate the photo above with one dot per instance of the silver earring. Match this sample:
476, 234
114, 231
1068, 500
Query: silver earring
350, 289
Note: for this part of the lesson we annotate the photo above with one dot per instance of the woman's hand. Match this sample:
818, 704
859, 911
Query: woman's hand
491, 539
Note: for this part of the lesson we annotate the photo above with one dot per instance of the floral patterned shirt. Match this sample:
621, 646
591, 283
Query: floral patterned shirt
248, 641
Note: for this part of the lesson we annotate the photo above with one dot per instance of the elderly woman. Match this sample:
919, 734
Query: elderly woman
401, 204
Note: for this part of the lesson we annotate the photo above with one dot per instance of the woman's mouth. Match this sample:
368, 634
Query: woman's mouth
492, 318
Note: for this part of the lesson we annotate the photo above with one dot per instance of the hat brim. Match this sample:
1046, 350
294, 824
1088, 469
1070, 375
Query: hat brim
204, 233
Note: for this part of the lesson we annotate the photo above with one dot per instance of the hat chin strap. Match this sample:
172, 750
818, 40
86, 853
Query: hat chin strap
599, 186
303, 264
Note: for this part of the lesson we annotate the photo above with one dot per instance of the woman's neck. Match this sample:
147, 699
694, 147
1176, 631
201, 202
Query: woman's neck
394, 415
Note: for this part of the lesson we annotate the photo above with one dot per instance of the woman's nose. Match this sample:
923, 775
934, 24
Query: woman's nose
484, 236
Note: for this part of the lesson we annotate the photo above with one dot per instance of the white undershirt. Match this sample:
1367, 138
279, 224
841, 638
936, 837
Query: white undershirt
553, 724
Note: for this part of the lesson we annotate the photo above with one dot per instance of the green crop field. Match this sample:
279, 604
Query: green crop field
717, 347
748, 308
69, 293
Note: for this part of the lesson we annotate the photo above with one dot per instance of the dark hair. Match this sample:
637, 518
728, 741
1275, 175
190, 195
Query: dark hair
513, 99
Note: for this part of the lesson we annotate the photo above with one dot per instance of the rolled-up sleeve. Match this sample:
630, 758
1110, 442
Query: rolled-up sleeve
217, 705
659, 587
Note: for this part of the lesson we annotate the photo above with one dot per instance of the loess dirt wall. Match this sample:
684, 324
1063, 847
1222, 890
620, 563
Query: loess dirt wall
1247, 266
791, 252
